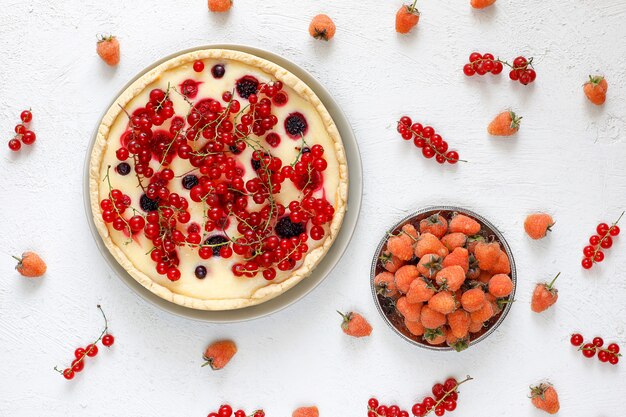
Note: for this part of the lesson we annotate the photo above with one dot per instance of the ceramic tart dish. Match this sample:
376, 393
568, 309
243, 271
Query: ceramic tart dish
443, 278
218, 180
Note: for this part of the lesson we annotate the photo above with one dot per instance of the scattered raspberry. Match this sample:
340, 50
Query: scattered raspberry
30, 265
108, 48
218, 354
322, 27
355, 325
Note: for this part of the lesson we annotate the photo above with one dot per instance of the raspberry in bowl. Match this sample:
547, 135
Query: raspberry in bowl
443, 278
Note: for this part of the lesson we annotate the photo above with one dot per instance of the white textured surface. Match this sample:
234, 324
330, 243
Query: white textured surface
567, 159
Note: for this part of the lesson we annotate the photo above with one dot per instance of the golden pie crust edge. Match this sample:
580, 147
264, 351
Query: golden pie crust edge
272, 289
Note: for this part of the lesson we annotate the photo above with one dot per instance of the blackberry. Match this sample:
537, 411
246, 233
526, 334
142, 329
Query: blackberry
147, 204
234, 149
286, 229
200, 272
190, 181
123, 168
256, 163
306, 149
218, 71
296, 125
219, 241
247, 86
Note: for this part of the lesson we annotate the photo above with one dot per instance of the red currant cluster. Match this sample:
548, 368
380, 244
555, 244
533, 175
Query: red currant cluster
22, 132
375, 409
227, 411
602, 240
482, 64
91, 350
444, 399
113, 209
521, 70
210, 136
424, 137
610, 354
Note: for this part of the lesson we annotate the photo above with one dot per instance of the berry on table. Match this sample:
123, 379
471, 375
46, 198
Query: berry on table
30, 265
218, 354
595, 89
15, 145
108, 340
576, 339
108, 48
355, 325
407, 17
219, 6
506, 123
322, 27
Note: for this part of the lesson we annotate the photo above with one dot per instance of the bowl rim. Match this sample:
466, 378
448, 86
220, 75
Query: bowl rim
462, 210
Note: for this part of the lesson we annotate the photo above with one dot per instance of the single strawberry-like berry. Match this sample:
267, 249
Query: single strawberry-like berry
355, 325
296, 125
504, 124
219, 6
537, 225
247, 86
595, 89
30, 265
545, 397
218, 354
286, 229
481, 4
306, 412
407, 17
108, 48
544, 296
322, 27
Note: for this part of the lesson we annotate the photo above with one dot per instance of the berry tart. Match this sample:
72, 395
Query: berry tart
218, 180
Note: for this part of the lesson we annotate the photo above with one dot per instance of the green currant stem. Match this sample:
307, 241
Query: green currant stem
104, 331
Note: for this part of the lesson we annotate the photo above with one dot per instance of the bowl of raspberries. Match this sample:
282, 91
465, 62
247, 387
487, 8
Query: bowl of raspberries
443, 278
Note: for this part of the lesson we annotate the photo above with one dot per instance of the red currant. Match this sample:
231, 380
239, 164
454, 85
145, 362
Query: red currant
602, 229
614, 231
29, 137
68, 374
597, 341
606, 242
589, 251
15, 145
450, 384
599, 256
576, 339
613, 348
26, 116
587, 263
92, 350
613, 359
589, 350
108, 340
198, 66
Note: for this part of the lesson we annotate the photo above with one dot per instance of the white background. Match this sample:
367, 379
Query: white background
568, 159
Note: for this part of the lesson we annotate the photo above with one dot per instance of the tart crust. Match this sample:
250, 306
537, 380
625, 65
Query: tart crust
271, 290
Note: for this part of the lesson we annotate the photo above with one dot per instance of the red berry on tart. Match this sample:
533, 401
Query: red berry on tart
218, 180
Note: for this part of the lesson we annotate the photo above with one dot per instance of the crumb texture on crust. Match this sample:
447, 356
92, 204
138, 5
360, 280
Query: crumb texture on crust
272, 289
